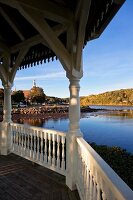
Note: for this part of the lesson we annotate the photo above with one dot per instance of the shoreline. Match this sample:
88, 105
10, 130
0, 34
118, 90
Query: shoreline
55, 115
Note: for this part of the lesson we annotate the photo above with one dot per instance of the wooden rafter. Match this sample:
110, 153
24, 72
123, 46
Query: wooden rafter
18, 61
49, 9
3, 46
58, 29
37, 20
84, 12
77, 11
3, 73
27, 43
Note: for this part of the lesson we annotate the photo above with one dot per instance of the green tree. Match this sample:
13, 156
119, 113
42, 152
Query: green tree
18, 96
37, 95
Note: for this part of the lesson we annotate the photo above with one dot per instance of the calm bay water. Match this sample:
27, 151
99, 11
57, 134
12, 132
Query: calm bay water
112, 128
113, 107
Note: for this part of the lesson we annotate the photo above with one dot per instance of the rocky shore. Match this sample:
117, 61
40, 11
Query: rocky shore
43, 112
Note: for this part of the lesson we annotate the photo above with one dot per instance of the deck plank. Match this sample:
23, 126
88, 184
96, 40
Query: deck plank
21, 180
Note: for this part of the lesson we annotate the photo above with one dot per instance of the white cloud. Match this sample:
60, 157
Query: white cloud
49, 76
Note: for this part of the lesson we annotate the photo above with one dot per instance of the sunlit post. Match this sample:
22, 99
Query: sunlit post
5, 129
73, 133
7, 104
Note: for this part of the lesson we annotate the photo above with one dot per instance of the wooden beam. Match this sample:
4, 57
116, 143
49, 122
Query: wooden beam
50, 9
120, 2
36, 19
4, 47
58, 29
11, 3
12, 24
29, 42
3, 74
77, 11
84, 13
19, 59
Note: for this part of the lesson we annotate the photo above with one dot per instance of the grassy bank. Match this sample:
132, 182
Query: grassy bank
119, 160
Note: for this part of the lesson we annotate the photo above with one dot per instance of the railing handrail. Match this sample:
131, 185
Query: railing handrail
116, 184
39, 129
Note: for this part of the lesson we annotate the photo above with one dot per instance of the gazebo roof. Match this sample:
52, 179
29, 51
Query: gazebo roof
16, 31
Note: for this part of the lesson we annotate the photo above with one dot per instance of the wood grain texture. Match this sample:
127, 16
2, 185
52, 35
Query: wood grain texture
21, 179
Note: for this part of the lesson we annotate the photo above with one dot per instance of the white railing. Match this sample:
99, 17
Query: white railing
43, 146
95, 179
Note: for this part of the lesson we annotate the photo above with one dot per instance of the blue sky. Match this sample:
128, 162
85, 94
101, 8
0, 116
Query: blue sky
107, 62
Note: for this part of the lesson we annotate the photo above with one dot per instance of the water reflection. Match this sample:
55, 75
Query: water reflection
121, 114
112, 128
40, 122
32, 122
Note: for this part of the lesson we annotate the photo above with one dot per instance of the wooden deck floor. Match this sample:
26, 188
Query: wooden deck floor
21, 180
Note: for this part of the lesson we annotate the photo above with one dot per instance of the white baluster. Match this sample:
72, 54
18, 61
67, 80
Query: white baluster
28, 143
94, 189
103, 195
49, 153
82, 178
25, 141
58, 153
82, 172
31, 143
85, 180
80, 169
41, 148
91, 188
22, 146
34, 151
17, 135
38, 145
87, 183
46, 145
13, 138
63, 153
98, 192
12, 129
17, 140
85, 177
19, 149
53, 158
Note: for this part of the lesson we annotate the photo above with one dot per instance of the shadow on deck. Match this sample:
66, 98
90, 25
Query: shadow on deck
21, 180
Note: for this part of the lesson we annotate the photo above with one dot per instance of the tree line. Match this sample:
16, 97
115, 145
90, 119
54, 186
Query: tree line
36, 95
117, 97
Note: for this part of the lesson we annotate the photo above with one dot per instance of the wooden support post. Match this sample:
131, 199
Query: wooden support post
5, 125
73, 133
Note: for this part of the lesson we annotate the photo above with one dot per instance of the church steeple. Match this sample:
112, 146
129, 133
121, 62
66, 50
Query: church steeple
34, 83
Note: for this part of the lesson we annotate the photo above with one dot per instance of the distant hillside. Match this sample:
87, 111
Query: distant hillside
117, 97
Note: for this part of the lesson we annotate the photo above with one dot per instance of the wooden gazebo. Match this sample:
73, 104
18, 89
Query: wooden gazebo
34, 32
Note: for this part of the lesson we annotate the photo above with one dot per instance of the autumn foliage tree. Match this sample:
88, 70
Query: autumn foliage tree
37, 95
